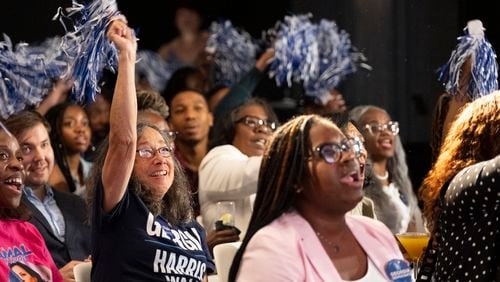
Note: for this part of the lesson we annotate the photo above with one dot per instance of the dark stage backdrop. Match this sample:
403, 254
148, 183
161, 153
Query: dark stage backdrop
405, 42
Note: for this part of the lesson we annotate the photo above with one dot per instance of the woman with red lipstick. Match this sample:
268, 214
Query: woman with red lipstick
299, 231
390, 187
70, 137
20, 241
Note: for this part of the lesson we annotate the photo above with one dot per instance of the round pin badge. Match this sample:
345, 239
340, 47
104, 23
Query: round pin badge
398, 270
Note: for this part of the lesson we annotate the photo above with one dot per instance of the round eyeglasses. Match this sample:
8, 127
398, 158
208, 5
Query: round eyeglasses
254, 122
148, 153
332, 152
376, 128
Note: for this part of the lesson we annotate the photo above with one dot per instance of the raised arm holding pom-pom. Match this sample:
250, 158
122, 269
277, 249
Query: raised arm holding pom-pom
141, 213
122, 135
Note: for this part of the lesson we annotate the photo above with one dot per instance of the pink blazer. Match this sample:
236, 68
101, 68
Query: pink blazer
289, 250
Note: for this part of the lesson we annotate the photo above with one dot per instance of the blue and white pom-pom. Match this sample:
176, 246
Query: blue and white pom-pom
88, 48
153, 68
337, 59
296, 51
233, 52
484, 70
50, 52
27, 74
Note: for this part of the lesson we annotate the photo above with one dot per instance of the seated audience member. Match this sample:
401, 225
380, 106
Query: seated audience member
461, 199
58, 216
310, 178
142, 221
188, 47
24, 252
185, 78
191, 119
230, 170
365, 207
153, 109
390, 188
335, 108
70, 135
98, 113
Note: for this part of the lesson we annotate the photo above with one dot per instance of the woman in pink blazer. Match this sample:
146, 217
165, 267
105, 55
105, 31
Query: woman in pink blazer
299, 231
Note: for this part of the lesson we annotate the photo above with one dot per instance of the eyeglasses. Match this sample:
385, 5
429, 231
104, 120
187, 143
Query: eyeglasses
148, 153
254, 122
376, 128
332, 152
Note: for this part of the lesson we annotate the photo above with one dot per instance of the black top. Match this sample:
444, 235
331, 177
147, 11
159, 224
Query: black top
469, 242
129, 244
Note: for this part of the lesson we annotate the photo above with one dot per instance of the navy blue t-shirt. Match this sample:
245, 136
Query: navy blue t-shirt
130, 244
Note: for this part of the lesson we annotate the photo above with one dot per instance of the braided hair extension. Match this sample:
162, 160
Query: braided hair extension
283, 174
55, 117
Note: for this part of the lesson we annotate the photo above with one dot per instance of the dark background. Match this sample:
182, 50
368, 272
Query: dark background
405, 41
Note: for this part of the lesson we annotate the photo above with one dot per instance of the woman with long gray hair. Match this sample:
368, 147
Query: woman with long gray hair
142, 223
300, 229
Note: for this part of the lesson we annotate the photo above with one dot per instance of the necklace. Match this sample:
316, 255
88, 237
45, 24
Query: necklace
383, 177
335, 247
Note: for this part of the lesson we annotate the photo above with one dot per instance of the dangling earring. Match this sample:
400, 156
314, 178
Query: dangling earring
299, 190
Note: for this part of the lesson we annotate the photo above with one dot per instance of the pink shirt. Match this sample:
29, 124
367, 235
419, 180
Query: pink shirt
23, 253
289, 250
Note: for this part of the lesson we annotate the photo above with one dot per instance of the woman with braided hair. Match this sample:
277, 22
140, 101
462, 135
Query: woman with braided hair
309, 179
70, 136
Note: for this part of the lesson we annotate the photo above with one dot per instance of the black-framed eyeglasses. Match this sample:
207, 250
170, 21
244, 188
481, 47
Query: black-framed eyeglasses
148, 153
376, 128
254, 122
332, 152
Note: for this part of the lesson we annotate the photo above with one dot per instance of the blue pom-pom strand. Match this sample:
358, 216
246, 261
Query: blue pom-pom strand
338, 58
27, 73
88, 48
472, 46
296, 51
152, 67
233, 52
317, 55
